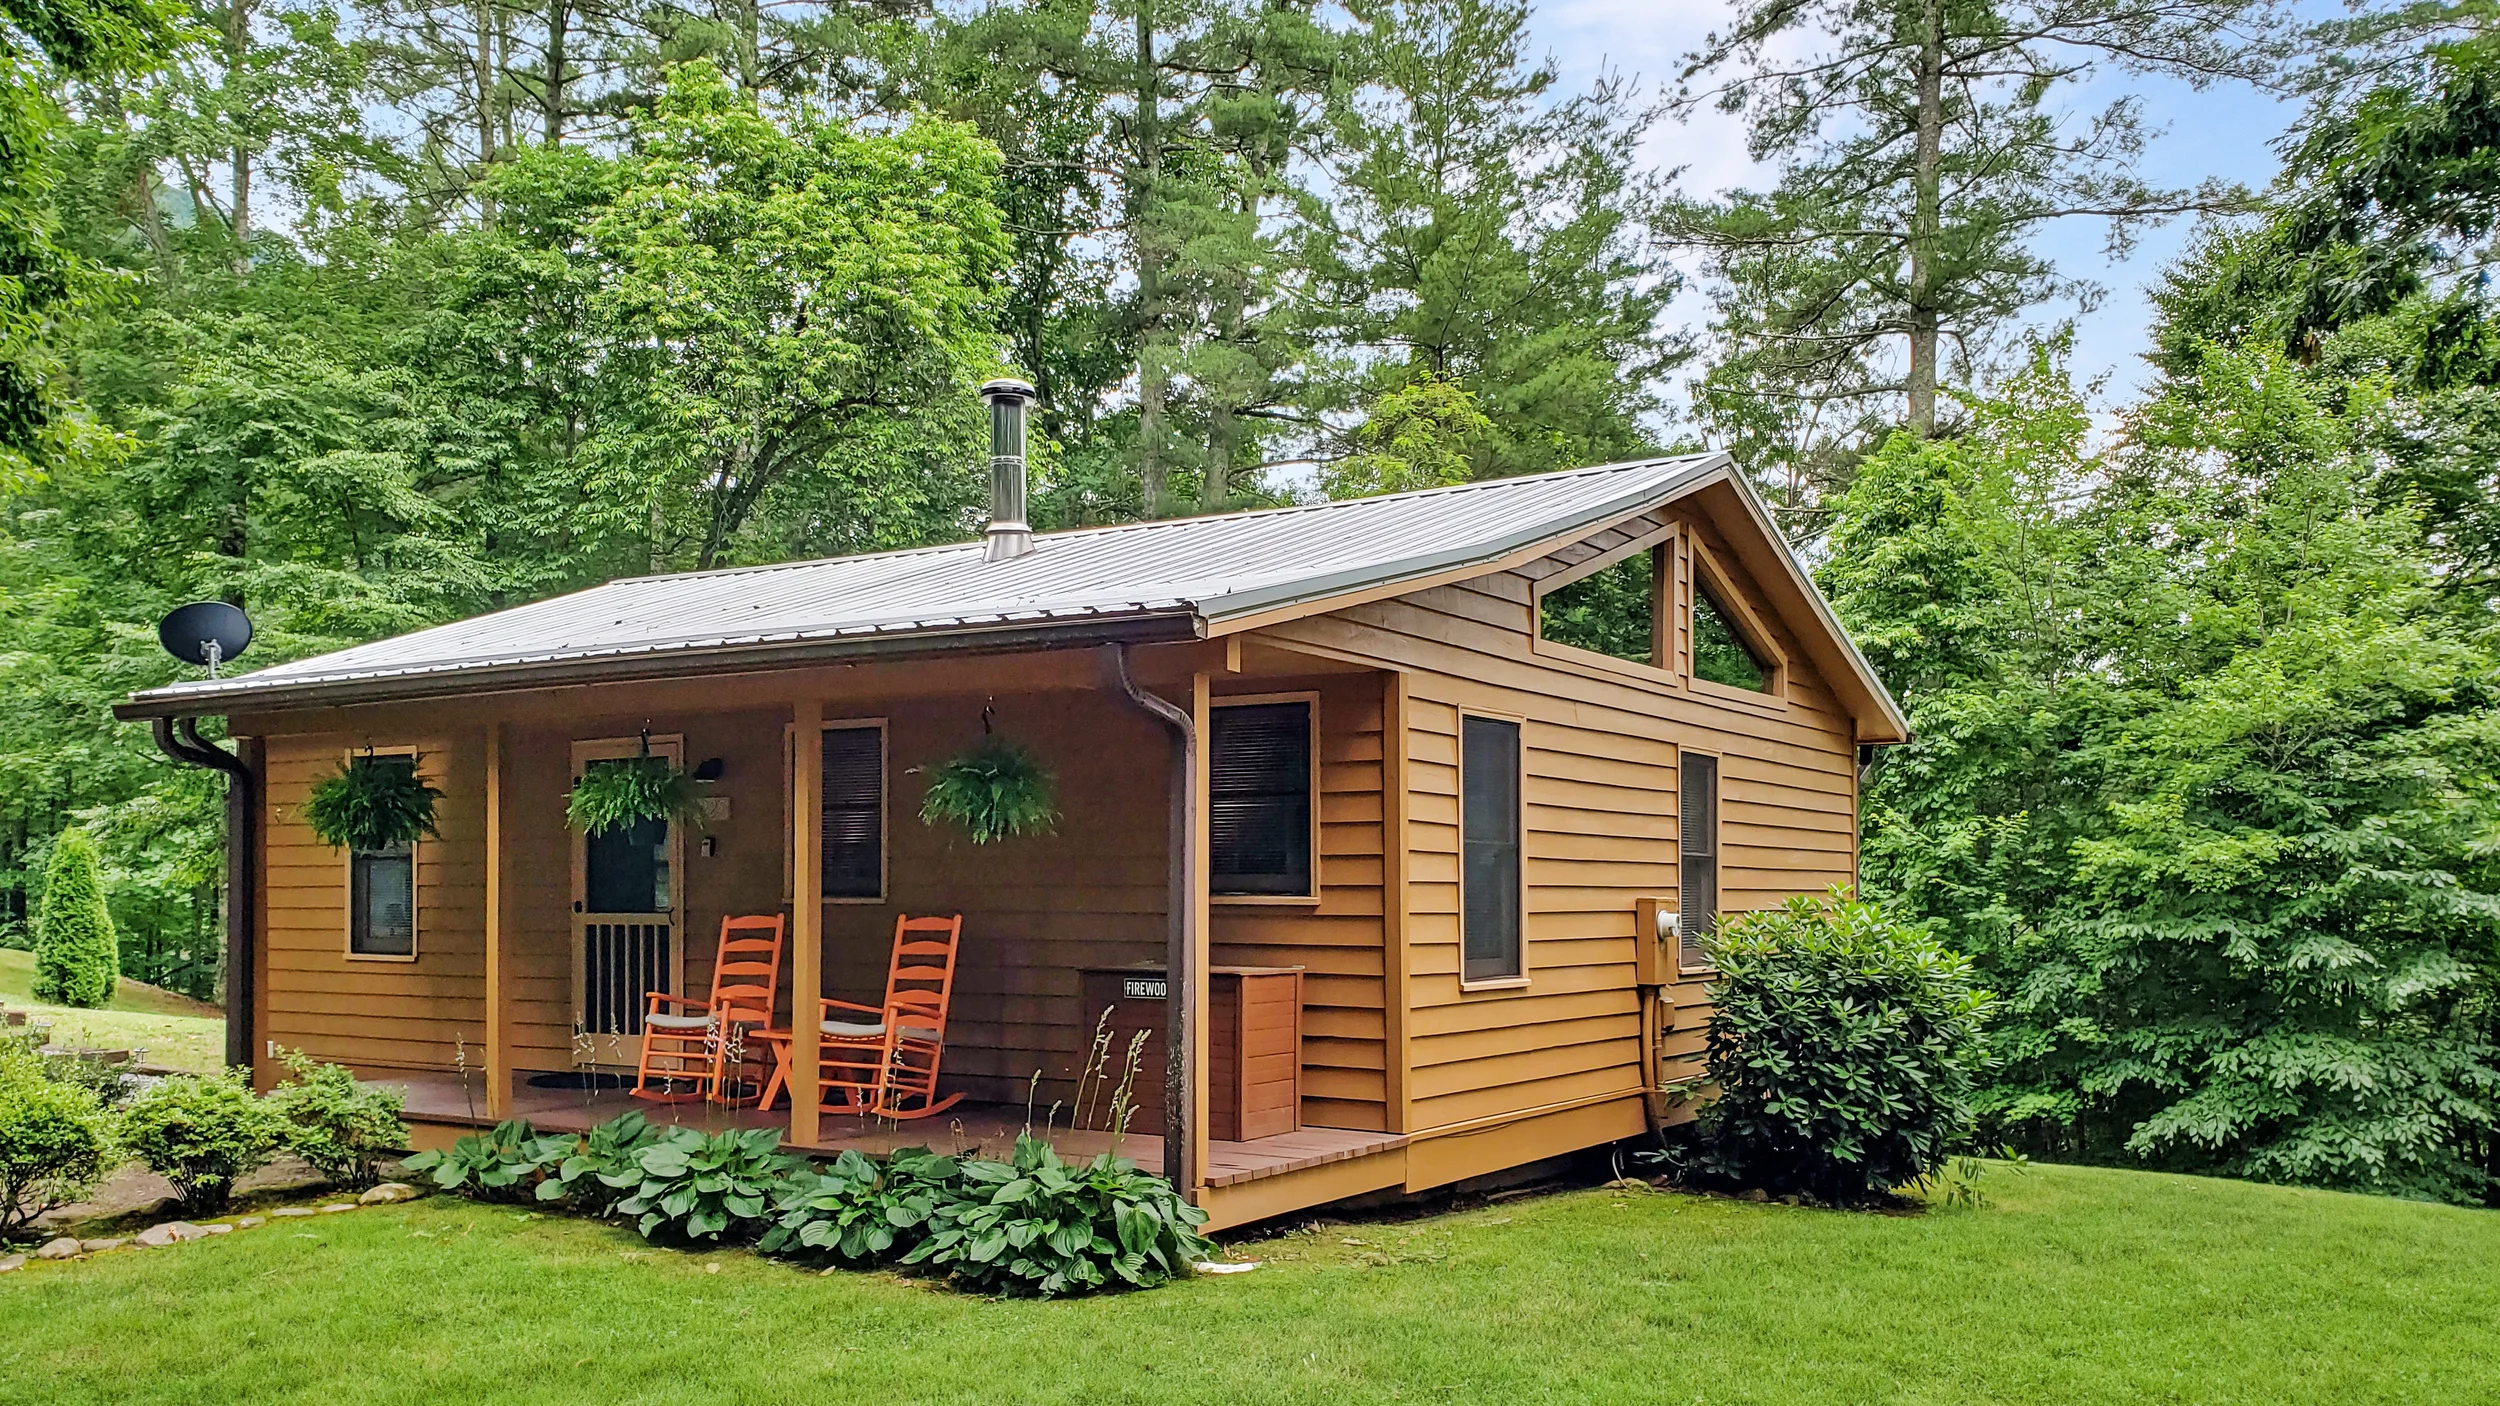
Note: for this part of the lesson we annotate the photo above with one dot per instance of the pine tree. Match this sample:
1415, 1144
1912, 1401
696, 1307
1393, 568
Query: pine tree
77, 958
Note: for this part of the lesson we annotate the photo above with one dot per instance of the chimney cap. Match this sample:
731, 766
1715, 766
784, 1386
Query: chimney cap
1005, 387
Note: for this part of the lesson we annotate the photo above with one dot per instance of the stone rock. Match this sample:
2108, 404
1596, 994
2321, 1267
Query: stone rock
249, 1221
185, 1230
64, 1248
155, 1237
217, 1229
97, 1247
334, 1209
1757, 1194
387, 1193
11, 1263
295, 1211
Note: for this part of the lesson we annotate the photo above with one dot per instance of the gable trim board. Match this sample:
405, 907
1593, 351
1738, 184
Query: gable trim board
1176, 579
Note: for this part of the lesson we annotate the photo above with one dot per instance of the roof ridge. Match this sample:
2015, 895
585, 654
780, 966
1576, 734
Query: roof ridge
1152, 524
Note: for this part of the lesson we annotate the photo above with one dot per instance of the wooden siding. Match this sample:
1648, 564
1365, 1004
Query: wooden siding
1602, 740
1037, 911
1337, 941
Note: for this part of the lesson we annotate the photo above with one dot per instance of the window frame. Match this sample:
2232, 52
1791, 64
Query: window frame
1713, 577
1663, 665
885, 809
1519, 980
1692, 961
1309, 697
347, 873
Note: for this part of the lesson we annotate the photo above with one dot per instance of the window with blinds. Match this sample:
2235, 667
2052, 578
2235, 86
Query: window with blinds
853, 819
1259, 800
1489, 820
1697, 867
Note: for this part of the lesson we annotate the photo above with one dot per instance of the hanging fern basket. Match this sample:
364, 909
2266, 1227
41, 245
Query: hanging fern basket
996, 790
373, 804
630, 790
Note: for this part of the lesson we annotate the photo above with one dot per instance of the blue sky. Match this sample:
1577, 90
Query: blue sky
2220, 132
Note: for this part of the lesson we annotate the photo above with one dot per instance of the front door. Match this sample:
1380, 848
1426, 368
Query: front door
628, 906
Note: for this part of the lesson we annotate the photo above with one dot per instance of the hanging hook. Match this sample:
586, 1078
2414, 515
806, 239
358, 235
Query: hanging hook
989, 709
646, 737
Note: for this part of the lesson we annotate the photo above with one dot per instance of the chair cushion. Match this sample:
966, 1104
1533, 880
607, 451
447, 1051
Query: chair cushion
677, 1022
871, 1030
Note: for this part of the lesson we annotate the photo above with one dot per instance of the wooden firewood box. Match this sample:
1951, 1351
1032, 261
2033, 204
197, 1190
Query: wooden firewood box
1254, 1045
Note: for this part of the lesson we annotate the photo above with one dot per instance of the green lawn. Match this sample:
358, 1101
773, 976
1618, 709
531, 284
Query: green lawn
2072, 1286
173, 1028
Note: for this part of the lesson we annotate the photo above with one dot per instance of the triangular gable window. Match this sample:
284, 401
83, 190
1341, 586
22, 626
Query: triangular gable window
1721, 653
1613, 611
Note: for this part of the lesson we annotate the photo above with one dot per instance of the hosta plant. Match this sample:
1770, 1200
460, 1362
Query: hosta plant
859, 1211
608, 1149
1036, 1225
501, 1164
692, 1186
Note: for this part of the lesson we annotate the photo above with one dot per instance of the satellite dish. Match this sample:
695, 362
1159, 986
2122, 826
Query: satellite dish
205, 632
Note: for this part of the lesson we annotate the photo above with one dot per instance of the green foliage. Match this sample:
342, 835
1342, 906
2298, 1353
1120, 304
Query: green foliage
2203, 774
1720, 654
341, 1127
1613, 611
1415, 436
859, 1211
994, 791
201, 1132
56, 1139
580, 1175
691, 1186
1844, 1046
372, 803
628, 790
1035, 1225
77, 960
504, 1163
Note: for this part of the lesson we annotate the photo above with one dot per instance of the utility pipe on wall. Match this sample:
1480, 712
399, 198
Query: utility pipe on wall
180, 739
1180, 966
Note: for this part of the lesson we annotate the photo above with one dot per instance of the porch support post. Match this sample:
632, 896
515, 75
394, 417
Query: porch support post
1184, 972
1396, 845
807, 914
498, 933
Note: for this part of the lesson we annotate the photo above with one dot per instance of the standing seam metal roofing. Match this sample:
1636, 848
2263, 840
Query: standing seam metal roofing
1211, 569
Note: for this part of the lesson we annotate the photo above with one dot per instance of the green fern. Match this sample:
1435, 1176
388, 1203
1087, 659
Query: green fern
372, 804
630, 790
995, 790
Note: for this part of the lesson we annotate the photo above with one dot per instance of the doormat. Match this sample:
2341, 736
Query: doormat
582, 1079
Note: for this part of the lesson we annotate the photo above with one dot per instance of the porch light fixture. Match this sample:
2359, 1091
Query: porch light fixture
1009, 537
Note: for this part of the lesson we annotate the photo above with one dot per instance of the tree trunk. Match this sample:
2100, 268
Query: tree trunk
551, 88
1926, 218
485, 73
1154, 365
239, 195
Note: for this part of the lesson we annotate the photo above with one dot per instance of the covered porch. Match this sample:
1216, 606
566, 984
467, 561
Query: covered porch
437, 1101
526, 965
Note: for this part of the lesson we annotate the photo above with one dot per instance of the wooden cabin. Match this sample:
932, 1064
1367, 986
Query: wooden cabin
1349, 795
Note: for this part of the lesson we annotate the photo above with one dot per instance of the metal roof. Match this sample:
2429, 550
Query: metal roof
1171, 578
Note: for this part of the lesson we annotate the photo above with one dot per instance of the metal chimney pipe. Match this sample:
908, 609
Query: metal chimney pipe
1009, 537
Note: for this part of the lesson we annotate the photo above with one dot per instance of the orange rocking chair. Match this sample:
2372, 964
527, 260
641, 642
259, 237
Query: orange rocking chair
691, 1041
884, 1060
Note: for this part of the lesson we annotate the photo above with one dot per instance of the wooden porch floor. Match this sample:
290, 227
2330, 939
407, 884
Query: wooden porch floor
966, 1128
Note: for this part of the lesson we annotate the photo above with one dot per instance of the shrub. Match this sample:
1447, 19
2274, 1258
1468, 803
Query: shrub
201, 1132
504, 1163
56, 1140
1844, 1046
77, 958
688, 1185
339, 1126
859, 1212
1038, 1226
581, 1176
